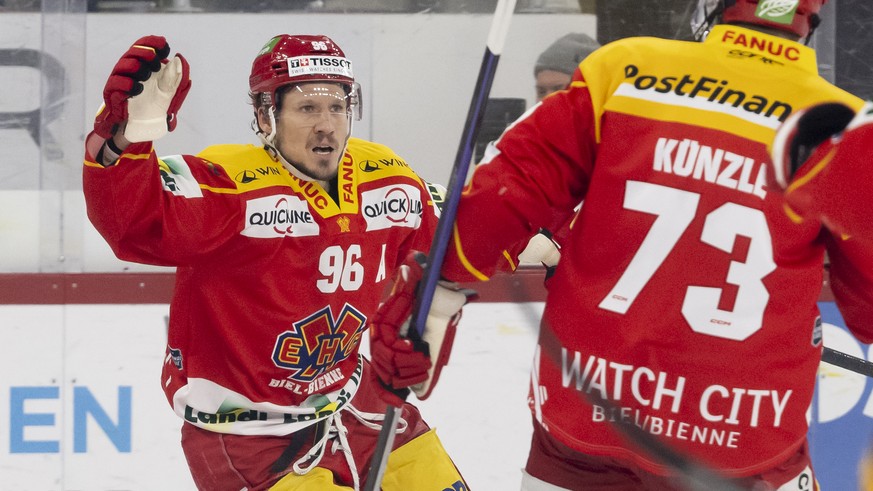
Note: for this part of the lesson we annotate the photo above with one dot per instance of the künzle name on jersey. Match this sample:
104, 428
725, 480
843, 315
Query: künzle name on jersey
392, 206
279, 215
688, 158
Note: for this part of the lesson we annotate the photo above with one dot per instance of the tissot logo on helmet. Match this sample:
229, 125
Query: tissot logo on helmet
311, 65
288, 59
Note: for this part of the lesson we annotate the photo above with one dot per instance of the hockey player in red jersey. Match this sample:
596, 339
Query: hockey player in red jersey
283, 251
821, 158
685, 302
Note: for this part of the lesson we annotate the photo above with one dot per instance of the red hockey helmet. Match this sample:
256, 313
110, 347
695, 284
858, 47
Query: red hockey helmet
287, 59
795, 16
798, 17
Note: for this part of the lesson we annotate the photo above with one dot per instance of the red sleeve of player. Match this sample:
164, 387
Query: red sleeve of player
146, 215
835, 185
851, 278
541, 172
837, 189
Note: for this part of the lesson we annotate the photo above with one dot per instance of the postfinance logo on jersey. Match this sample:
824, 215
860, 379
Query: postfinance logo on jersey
703, 92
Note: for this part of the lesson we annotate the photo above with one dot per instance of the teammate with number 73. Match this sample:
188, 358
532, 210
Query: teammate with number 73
685, 299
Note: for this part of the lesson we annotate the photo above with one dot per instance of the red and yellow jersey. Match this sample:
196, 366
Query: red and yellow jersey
685, 296
834, 182
276, 280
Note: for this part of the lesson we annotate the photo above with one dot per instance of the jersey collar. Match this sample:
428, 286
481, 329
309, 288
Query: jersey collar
772, 49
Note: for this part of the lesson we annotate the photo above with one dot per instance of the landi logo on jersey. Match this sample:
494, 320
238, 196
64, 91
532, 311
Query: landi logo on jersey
779, 11
319, 342
279, 216
392, 206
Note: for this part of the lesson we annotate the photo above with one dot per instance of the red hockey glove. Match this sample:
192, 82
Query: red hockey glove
396, 360
815, 166
801, 134
132, 94
152, 113
401, 358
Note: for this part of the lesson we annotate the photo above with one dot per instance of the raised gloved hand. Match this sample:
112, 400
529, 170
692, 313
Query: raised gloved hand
400, 357
145, 91
814, 162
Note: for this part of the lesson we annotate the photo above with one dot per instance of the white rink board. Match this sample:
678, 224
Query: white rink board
56, 357
59, 359
417, 73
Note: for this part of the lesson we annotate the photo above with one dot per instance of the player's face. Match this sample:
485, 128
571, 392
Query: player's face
548, 81
312, 128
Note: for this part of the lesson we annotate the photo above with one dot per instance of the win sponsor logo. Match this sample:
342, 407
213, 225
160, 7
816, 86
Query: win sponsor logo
248, 175
392, 206
374, 165
279, 216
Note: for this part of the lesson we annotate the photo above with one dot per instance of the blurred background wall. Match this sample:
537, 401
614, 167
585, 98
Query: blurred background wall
80, 407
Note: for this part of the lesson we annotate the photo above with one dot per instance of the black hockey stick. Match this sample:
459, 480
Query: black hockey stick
847, 361
431, 274
692, 475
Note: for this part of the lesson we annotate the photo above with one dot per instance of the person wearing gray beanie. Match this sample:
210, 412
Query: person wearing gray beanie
555, 66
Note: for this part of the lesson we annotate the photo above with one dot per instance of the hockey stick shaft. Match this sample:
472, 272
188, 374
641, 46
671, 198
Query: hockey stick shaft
694, 475
443, 234
431, 274
849, 362
383, 447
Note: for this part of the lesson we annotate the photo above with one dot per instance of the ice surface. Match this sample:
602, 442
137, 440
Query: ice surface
479, 408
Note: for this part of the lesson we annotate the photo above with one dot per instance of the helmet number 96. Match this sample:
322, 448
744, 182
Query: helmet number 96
340, 269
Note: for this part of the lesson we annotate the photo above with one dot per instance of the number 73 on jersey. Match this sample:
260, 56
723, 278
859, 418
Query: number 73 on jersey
674, 210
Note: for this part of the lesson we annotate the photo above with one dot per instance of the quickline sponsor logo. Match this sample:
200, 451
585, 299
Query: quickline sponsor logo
702, 91
393, 206
279, 216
